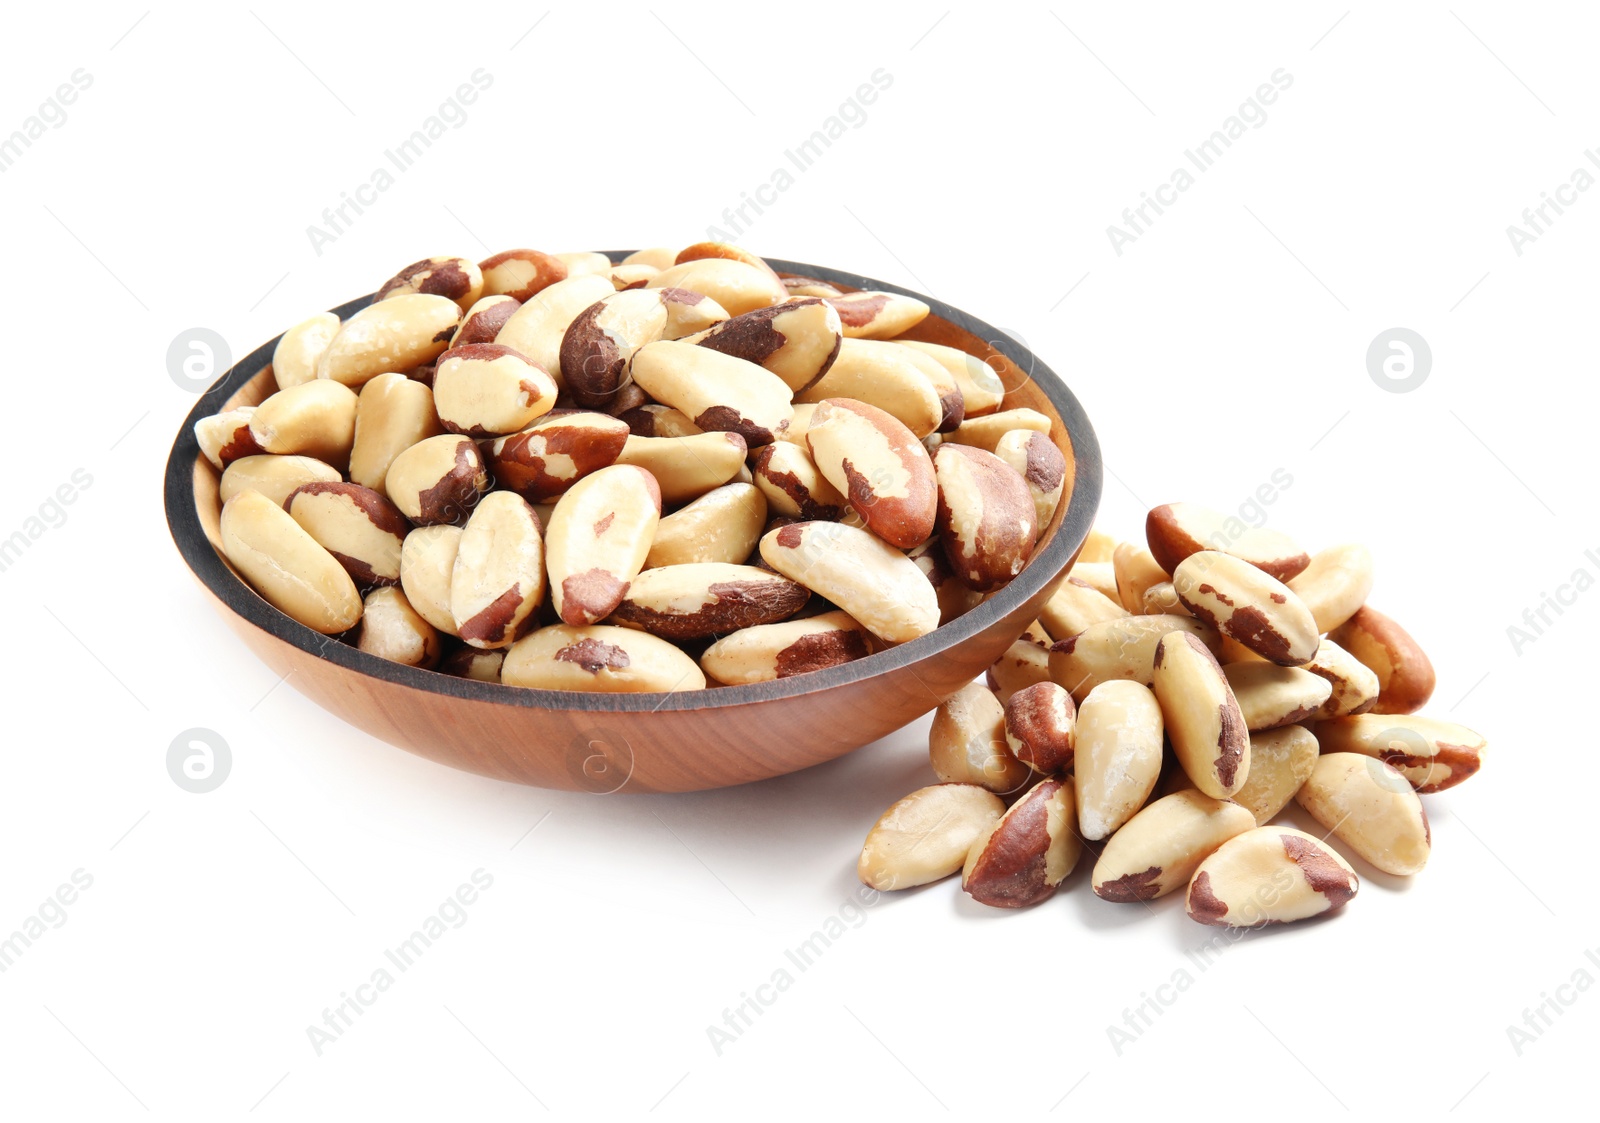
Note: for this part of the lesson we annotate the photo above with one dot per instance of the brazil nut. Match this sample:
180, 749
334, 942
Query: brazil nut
359, 527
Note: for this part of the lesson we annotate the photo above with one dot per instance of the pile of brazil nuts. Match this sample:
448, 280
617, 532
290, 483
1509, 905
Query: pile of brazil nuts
1169, 703
674, 472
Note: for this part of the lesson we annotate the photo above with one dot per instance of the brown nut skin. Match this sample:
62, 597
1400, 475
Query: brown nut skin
1249, 605
783, 650
1202, 717
542, 461
878, 315
497, 580
439, 480
653, 420
1405, 674
878, 465
797, 340
1176, 530
599, 535
225, 437
484, 320
926, 836
600, 660
793, 486
981, 389
1433, 755
598, 344
986, 519
538, 328
520, 273
700, 251
1270, 875
474, 663
626, 400
718, 392
687, 602
689, 313
1354, 685
455, 278
633, 276
489, 390
944, 386
1158, 850
1041, 728
1035, 458
358, 526
1028, 853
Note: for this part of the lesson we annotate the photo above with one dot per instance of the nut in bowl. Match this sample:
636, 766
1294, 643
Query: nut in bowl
554, 664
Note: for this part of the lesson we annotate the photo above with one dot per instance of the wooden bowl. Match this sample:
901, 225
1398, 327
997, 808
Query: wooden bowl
685, 741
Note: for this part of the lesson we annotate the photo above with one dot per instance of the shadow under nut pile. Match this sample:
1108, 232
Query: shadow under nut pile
674, 472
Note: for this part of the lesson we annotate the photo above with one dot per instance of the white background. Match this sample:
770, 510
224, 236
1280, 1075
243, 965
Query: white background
1226, 342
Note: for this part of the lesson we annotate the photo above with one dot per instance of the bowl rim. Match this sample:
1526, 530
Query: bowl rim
183, 521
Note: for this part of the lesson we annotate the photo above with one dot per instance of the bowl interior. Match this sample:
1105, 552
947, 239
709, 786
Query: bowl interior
193, 513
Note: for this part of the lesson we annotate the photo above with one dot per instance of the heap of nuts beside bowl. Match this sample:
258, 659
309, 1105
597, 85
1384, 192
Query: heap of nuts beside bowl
1166, 706
673, 472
